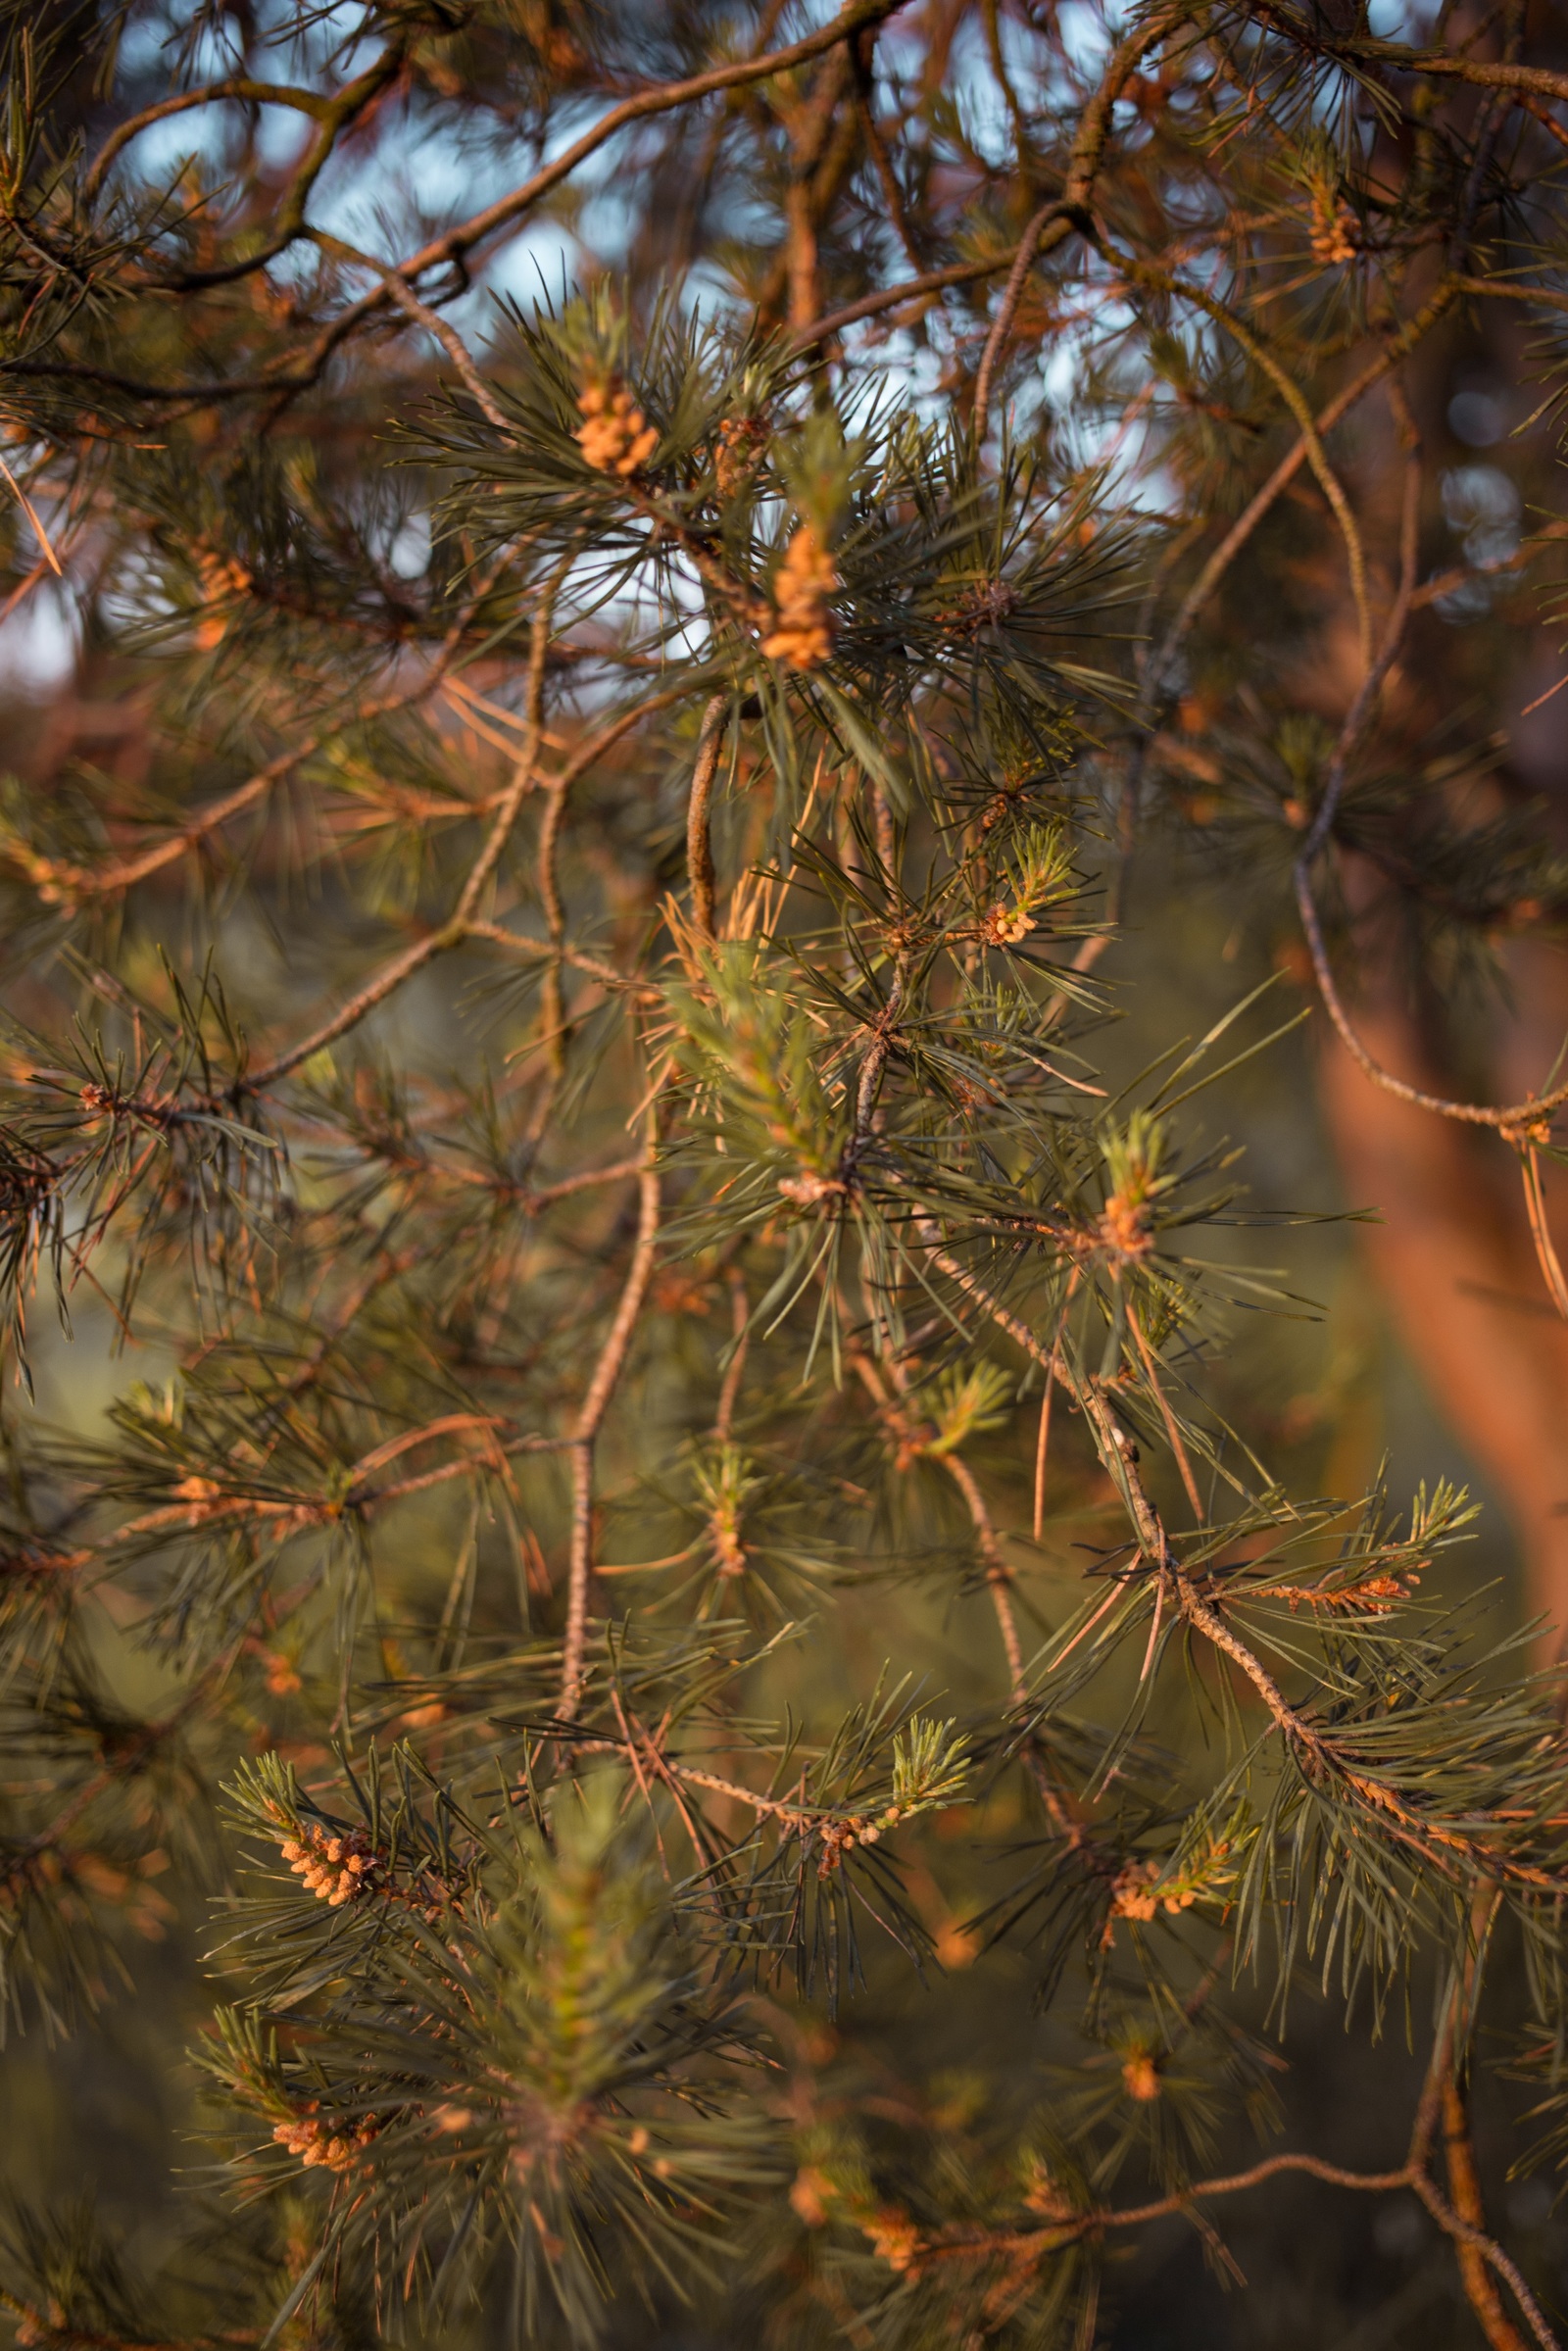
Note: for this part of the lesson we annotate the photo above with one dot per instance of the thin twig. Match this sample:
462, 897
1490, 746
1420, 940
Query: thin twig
1042, 1437
600, 1387
999, 1575
699, 840
1169, 1418
450, 340
734, 1370
1541, 1231
31, 512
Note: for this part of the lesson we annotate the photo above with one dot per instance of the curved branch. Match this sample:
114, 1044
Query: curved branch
909, 290
1024, 2243
1477, 2240
1067, 211
457, 243
240, 87
852, 18
335, 116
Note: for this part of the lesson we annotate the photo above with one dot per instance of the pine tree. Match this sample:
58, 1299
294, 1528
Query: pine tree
671, 1589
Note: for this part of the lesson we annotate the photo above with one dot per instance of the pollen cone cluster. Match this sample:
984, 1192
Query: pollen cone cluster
334, 1868
615, 436
802, 627
330, 2145
1333, 227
